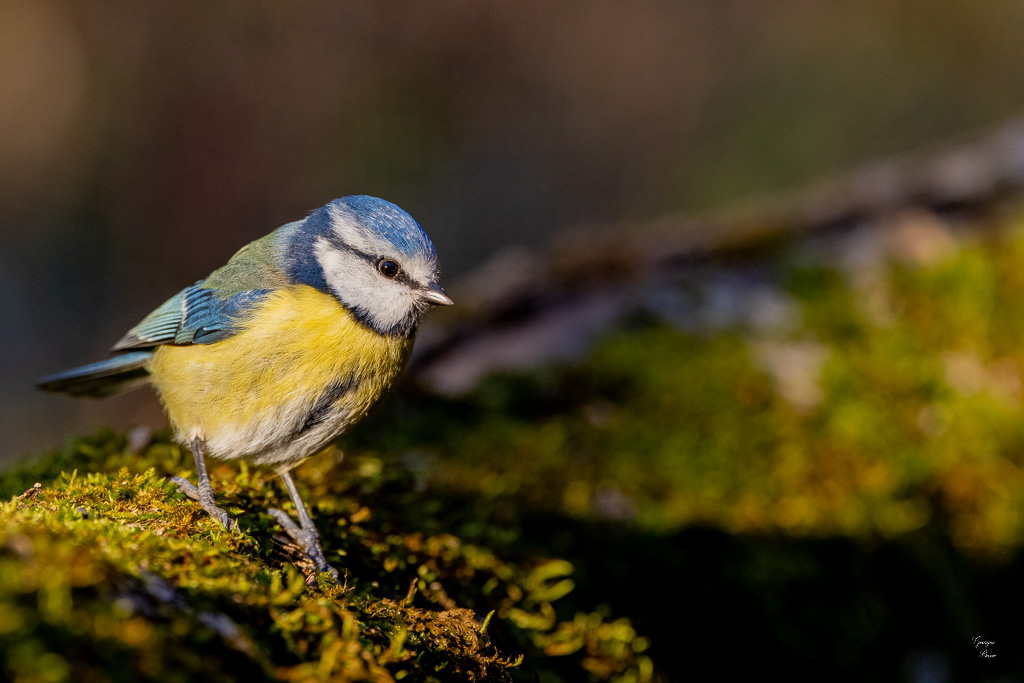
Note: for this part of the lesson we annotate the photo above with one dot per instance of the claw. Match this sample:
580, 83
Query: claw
204, 492
304, 533
186, 487
307, 539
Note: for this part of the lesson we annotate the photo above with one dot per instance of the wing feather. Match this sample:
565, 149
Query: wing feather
194, 315
210, 310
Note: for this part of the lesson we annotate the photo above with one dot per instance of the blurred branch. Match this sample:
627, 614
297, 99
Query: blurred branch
521, 308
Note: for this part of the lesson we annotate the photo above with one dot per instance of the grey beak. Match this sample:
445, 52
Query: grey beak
435, 295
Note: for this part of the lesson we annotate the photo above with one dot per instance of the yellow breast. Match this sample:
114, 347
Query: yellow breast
250, 392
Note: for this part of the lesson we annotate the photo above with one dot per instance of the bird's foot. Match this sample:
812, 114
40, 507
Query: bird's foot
307, 538
206, 502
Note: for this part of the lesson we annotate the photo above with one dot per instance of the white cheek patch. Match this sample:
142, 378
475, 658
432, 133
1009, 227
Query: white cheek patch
358, 285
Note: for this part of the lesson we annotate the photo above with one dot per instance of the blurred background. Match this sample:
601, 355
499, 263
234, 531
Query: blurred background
142, 144
829, 470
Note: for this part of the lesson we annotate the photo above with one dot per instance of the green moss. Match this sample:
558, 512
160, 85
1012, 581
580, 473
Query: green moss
108, 573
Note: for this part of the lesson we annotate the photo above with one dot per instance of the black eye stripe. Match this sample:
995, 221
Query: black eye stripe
375, 261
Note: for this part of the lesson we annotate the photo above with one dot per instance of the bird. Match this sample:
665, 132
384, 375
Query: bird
274, 355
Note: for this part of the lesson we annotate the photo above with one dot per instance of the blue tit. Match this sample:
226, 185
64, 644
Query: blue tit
274, 355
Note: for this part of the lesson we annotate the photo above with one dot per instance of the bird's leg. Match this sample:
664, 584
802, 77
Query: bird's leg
304, 533
204, 492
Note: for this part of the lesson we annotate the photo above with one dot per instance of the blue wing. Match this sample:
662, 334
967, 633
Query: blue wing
209, 311
195, 315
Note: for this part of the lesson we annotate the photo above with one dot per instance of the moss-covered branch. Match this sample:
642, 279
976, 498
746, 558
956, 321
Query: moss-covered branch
107, 573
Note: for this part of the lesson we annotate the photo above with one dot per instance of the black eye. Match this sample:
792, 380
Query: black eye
389, 268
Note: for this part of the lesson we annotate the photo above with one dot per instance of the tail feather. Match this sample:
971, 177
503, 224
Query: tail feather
115, 375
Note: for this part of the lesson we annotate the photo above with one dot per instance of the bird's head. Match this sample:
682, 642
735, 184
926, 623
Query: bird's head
372, 256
